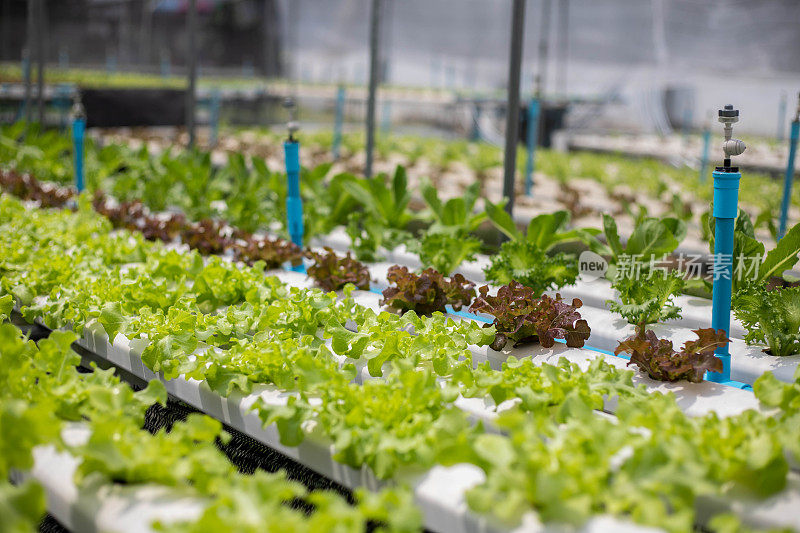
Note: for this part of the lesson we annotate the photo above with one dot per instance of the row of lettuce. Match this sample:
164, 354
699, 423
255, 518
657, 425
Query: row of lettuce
520, 314
676, 191
44, 393
445, 234
233, 327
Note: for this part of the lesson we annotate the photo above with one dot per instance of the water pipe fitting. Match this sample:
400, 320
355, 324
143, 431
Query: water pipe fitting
78, 112
292, 125
728, 116
797, 112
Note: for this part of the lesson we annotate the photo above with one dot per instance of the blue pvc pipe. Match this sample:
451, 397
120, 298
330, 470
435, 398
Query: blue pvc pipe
26, 75
386, 118
338, 120
78, 131
294, 204
788, 178
214, 118
726, 205
687, 123
166, 68
704, 159
781, 117
533, 130
111, 63
61, 102
475, 135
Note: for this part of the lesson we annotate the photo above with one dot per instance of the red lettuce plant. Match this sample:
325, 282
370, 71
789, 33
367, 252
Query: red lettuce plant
133, 215
332, 272
521, 316
208, 236
427, 292
29, 188
661, 362
273, 252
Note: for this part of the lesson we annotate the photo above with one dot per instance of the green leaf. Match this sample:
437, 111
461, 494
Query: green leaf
112, 319
655, 237
543, 229
783, 257
612, 236
6, 306
495, 449
501, 219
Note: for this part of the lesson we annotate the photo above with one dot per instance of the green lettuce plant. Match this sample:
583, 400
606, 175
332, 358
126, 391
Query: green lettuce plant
528, 258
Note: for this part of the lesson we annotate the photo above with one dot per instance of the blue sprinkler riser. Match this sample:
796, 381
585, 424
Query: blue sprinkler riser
386, 119
339, 119
788, 178
294, 204
704, 160
726, 205
533, 130
26, 67
214, 118
781, 117
78, 132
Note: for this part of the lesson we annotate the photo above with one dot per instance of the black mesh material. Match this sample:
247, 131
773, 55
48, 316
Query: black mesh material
51, 525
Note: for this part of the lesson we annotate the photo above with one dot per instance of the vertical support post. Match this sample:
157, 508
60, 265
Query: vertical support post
781, 116
563, 47
374, 69
687, 123
63, 58
386, 118
111, 63
26, 73
726, 207
533, 130
788, 178
512, 110
40, 22
544, 43
338, 120
450, 76
78, 134
704, 157
27, 60
477, 110
190, 92
214, 119
166, 68
61, 102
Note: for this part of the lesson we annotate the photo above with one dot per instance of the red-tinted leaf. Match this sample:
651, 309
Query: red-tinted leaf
29, 188
273, 252
660, 361
332, 272
427, 292
521, 316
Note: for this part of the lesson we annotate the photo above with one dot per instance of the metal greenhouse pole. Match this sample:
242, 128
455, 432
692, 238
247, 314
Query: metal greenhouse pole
190, 91
27, 59
512, 114
40, 30
374, 73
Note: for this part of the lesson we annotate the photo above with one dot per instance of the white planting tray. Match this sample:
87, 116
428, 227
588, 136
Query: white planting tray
694, 398
439, 492
608, 329
105, 508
